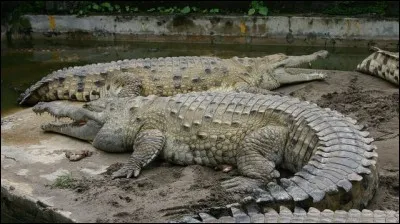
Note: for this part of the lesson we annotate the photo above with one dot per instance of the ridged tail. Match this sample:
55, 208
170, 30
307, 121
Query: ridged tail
383, 64
82, 83
250, 214
67, 86
333, 161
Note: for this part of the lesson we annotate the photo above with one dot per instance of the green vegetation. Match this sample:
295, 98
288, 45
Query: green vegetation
85, 8
258, 7
107, 7
103, 8
64, 182
12, 10
347, 8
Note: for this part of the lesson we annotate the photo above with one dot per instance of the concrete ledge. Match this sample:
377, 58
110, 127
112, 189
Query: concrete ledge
18, 207
217, 29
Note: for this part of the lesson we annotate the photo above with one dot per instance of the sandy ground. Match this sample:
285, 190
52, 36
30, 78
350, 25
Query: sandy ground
164, 191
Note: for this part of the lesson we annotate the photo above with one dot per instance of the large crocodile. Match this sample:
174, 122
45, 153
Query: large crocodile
332, 158
383, 64
169, 76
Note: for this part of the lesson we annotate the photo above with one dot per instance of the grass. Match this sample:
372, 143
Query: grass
65, 181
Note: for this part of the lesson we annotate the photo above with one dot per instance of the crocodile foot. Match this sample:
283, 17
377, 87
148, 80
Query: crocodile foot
126, 171
77, 155
242, 185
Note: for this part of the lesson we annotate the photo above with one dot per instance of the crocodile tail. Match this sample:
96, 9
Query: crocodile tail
81, 83
383, 64
64, 86
234, 213
334, 169
333, 161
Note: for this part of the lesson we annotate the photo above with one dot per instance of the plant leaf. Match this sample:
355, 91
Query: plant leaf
263, 11
251, 11
95, 6
214, 10
105, 5
185, 10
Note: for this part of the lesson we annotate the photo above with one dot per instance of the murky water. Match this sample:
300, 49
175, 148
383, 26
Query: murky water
21, 67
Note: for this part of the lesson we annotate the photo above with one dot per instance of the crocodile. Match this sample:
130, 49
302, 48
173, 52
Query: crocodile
170, 76
383, 64
332, 158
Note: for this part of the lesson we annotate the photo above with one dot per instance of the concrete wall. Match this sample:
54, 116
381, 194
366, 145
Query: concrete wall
218, 29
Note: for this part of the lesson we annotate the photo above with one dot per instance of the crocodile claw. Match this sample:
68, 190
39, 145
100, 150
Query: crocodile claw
127, 172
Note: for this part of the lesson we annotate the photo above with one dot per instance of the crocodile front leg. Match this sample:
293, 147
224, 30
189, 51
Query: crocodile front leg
257, 158
148, 144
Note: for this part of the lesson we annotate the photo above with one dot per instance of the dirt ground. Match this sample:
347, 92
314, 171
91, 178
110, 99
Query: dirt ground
164, 191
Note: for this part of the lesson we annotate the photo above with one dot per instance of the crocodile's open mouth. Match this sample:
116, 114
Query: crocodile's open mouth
60, 120
305, 61
302, 65
70, 120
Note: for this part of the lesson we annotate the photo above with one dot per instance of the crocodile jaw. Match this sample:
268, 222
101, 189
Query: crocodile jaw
82, 128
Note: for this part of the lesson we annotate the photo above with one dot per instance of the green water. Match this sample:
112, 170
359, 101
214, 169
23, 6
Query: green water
20, 69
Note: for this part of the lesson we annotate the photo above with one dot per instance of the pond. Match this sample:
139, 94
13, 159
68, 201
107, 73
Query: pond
24, 63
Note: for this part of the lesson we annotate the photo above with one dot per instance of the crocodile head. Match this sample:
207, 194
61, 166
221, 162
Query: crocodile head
270, 63
296, 61
106, 128
71, 120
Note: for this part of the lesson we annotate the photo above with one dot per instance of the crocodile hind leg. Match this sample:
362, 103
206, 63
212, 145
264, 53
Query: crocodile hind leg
98, 105
284, 77
257, 158
127, 84
124, 84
